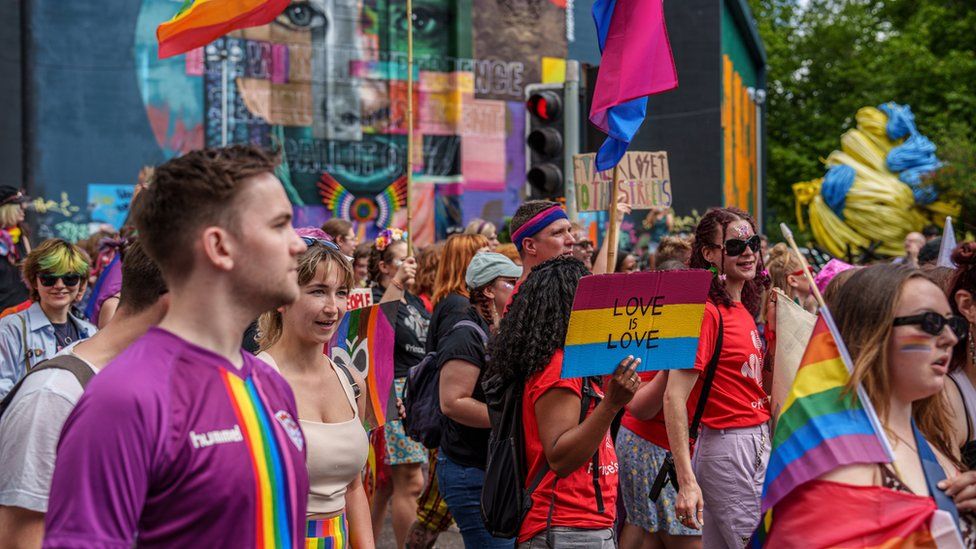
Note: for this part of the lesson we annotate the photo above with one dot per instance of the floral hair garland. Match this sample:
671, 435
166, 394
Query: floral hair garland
389, 236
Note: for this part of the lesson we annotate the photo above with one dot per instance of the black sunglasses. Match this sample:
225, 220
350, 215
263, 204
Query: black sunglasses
70, 280
933, 323
737, 246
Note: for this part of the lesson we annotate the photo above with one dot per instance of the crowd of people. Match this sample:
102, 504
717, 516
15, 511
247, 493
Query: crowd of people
133, 413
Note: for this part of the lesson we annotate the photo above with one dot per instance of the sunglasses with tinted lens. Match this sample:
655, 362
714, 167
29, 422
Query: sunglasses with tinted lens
310, 241
736, 246
933, 323
70, 280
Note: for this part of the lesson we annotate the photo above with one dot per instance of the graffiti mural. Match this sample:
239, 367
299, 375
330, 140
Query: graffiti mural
325, 83
739, 140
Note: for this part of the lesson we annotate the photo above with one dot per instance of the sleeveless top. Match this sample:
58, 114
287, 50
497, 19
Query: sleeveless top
968, 393
337, 453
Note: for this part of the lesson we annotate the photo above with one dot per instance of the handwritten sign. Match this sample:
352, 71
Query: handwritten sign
359, 298
644, 176
655, 316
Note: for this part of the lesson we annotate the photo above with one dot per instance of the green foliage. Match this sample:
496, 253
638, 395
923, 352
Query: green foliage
828, 58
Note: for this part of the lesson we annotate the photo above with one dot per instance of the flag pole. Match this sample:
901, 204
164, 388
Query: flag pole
612, 229
788, 234
409, 127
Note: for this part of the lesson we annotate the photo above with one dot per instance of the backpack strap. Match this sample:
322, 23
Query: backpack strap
81, 370
709, 378
969, 420
356, 389
474, 325
26, 351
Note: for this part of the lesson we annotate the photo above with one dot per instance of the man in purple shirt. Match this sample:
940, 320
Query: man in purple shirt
185, 440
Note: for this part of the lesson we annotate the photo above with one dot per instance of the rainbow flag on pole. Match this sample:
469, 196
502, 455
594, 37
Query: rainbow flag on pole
820, 428
364, 344
200, 22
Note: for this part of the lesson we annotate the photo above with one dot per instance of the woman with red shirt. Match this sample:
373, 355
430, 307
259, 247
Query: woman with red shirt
574, 505
720, 491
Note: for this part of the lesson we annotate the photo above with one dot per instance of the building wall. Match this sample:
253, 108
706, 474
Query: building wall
739, 117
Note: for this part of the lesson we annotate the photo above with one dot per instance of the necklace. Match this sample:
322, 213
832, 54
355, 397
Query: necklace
910, 445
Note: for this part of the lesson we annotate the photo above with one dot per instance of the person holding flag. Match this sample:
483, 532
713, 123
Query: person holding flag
831, 457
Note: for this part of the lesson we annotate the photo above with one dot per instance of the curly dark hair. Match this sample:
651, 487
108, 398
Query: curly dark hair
965, 279
714, 224
537, 320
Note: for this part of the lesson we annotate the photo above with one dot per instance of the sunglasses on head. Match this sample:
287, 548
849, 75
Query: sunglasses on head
737, 246
70, 280
933, 323
310, 241
800, 272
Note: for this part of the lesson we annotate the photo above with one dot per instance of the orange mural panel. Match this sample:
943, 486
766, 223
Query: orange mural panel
739, 134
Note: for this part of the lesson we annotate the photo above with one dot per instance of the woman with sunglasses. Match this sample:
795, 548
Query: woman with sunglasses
56, 273
719, 492
291, 340
900, 331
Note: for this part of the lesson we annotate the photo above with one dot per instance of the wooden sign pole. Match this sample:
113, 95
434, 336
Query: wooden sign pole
612, 228
410, 146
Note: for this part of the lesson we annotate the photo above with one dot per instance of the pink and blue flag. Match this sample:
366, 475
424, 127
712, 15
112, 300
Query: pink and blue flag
636, 63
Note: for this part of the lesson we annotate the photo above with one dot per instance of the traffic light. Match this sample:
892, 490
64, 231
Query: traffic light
545, 148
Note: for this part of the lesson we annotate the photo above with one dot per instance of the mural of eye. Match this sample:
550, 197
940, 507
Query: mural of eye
427, 21
300, 16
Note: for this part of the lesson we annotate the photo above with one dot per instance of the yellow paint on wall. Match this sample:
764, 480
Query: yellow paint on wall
553, 70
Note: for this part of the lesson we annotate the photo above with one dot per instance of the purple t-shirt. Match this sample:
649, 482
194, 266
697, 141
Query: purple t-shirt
173, 446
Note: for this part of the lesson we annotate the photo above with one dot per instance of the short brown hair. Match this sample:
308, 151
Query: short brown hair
55, 256
191, 192
142, 282
527, 211
336, 227
672, 248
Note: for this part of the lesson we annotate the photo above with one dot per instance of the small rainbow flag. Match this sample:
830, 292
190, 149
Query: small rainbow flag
364, 344
654, 316
820, 428
200, 22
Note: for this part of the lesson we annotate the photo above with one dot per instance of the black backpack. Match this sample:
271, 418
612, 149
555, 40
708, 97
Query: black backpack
421, 395
504, 498
82, 372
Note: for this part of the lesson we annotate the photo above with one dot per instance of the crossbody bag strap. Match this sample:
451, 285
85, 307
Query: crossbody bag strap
969, 419
356, 389
27, 350
78, 368
709, 378
934, 473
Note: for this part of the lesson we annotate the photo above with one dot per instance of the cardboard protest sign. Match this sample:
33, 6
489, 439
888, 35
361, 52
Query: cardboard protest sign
644, 176
794, 325
363, 343
654, 316
359, 298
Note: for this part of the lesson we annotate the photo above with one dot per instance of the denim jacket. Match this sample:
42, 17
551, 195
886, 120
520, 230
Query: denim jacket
41, 343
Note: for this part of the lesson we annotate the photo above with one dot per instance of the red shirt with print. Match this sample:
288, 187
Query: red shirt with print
574, 502
737, 398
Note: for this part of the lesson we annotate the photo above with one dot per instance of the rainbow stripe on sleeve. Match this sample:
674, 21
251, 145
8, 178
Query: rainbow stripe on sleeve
273, 479
654, 316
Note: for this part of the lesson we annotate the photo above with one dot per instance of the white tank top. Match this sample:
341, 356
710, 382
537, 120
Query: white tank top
337, 453
968, 393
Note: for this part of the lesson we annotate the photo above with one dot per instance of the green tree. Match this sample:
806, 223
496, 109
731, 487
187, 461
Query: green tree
828, 58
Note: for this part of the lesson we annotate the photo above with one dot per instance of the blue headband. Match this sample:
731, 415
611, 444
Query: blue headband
541, 220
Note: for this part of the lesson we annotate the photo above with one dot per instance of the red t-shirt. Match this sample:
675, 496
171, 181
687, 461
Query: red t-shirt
575, 498
653, 430
737, 398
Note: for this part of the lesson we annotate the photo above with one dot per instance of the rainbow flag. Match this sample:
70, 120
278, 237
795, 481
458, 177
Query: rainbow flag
364, 344
654, 316
200, 22
275, 501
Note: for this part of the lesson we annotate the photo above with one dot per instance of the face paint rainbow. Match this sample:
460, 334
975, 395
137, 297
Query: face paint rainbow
915, 344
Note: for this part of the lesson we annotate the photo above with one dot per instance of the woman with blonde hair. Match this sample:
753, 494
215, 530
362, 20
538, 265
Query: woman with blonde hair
786, 273
327, 395
900, 331
14, 246
486, 229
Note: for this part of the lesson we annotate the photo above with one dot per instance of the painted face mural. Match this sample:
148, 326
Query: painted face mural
326, 84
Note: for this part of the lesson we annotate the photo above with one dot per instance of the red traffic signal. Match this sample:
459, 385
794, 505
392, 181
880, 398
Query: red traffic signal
545, 105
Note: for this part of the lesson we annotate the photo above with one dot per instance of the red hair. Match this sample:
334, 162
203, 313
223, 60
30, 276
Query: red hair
458, 252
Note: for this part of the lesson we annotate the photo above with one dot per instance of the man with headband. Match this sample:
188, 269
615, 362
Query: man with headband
541, 230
